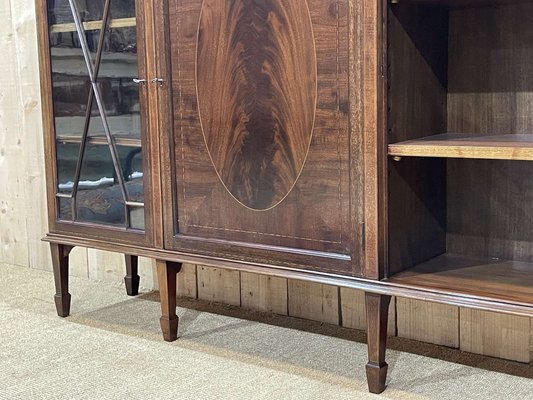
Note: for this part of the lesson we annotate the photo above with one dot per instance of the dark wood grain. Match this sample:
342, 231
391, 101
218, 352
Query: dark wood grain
132, 277
490, 79
316, 215
360, 187
257, 91
167, 275
491, 93
491, 278
417, 57
372, 17
490, 209
489, 101
266, 151
60, 253
152, 30
377, 313
368, 285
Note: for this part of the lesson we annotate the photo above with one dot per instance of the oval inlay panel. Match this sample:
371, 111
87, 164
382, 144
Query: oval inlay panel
256, 75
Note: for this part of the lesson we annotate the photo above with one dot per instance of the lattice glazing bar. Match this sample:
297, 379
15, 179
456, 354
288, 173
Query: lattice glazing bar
93, 75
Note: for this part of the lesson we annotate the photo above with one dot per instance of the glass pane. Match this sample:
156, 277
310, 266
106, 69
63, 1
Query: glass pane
65, 208
70, 91
100, 197
67, 158
132, 167
59, 12
120, 94
122, 8
90, 10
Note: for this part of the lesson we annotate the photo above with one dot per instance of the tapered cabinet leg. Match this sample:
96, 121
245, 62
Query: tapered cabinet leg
167, 276
377, 312
60, 255
132, 277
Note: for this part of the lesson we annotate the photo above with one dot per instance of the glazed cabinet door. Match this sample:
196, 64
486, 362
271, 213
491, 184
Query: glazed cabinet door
94, 92
263, 147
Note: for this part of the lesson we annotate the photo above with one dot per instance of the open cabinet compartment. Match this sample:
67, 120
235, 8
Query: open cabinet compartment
460, 125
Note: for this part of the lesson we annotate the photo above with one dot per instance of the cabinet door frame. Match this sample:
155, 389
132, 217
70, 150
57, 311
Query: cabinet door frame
363, 75
87, 229
376, 196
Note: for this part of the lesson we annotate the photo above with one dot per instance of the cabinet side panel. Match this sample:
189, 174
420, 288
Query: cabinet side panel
490, 74
417, 107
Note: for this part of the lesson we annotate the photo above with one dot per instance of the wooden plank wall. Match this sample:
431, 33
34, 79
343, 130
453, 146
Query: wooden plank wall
23, 223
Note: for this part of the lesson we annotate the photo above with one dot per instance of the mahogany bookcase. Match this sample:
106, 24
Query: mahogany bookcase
382, 146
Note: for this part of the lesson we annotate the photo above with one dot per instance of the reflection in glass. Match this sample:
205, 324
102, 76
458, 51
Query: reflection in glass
65, 208
90, 10
100, 197
71, 86
59, 12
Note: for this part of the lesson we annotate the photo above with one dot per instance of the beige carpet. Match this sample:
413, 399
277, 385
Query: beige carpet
111, 348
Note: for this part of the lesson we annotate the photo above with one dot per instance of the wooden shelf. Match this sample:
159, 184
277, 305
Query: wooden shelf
95, 25
102, 140
458, 145
500, 280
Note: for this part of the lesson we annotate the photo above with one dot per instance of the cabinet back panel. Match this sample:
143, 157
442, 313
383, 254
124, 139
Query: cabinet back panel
418, 38
490, 208
490, 70
490, 203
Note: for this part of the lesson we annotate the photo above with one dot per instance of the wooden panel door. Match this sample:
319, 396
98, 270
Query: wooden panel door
259, 140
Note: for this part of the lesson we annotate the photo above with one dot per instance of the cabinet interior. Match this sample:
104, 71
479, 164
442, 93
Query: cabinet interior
460, 134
